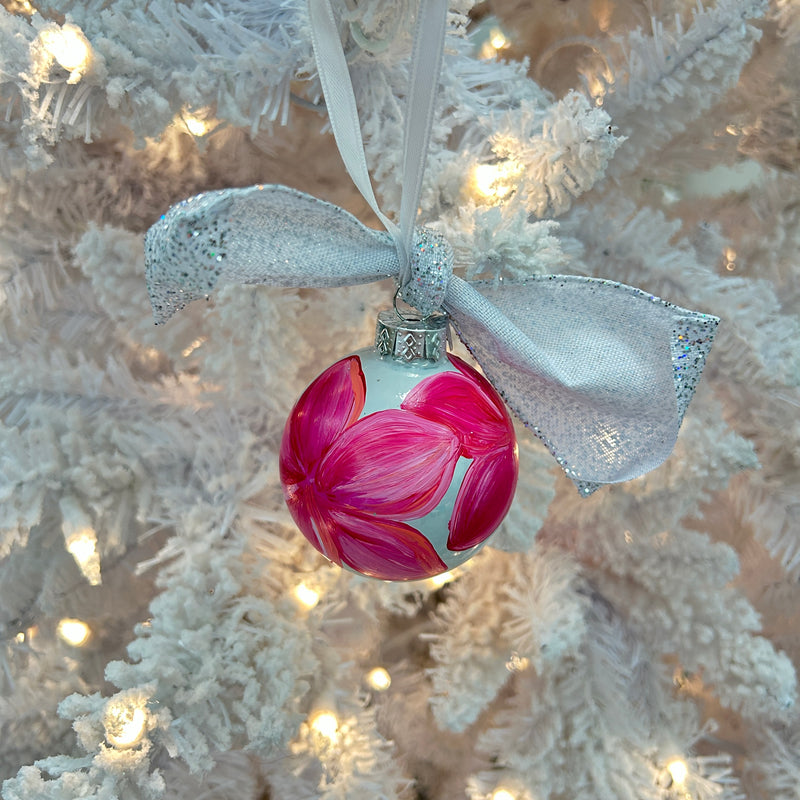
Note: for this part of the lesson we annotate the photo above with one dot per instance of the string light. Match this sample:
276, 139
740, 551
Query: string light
82, 546
68, 46
325, 724
517, 663
125, 724
73, 631
502, 794
198, 123
493, 44
195, 344
307, 597
495, 181
379, 679
678, 771
20, 637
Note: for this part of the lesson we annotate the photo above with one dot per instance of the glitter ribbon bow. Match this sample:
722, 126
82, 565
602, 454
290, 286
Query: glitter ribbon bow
600, 371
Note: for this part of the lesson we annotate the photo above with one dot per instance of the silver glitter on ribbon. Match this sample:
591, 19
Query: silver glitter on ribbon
431, 267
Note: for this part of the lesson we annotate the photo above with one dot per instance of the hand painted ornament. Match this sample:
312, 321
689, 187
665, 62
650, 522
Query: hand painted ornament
398, 462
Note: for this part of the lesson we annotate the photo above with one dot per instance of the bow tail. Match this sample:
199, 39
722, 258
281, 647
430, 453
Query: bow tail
269, 235
600, 371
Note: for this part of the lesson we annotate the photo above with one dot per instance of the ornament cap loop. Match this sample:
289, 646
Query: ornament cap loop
410, 339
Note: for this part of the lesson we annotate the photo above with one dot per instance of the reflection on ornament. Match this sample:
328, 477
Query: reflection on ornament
125, 723
379, 679
68, 46
678, 770
399, 466
730, 259
325, 724
82, 546
73, 631
495, 181
308, 597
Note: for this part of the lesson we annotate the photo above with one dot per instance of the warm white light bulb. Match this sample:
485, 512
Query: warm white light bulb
195, 125
73, 631
307, 596
678, 770
82, 546
67, 45
125, 724
494, 181
325, 724
379, 679
502, 794
498, 39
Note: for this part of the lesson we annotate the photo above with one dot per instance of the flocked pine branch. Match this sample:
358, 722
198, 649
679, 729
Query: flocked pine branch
671, 77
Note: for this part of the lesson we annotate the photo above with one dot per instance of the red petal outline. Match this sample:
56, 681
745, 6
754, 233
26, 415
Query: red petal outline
330, 404
385, 549
313, 520
457, 401
483, 499
391, 464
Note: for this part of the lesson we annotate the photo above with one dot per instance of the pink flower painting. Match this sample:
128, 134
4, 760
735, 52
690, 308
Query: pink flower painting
353, 484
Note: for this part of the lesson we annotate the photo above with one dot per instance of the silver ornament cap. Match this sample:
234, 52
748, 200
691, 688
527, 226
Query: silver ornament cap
410, 339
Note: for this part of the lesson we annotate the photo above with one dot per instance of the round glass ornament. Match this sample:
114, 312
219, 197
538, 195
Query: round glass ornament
399, 461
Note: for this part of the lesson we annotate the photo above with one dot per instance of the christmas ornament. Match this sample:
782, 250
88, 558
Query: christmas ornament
600, 371
400, 461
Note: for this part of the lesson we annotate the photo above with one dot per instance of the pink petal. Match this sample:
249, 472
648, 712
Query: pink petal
327, 407
313, 519
391, 463
392, 551
483, 499
463, 404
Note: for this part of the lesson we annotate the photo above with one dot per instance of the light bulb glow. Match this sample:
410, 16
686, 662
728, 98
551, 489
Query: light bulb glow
325, 724
67, 45
498, 39
125, 724
379, 679
73, 631
678, 770
437, 581
494, 181
82, 546
186, 352
517, 663
502, 794
195, 125
307, 597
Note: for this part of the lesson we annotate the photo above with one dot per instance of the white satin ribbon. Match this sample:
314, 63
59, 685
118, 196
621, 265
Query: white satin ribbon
602, 372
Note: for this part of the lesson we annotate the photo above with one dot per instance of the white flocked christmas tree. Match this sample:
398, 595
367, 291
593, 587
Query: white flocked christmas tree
165, 629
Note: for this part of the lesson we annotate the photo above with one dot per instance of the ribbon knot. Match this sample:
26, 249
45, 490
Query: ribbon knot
431, 267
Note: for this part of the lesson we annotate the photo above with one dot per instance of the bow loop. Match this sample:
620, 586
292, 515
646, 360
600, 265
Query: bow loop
263, 234
600, 371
